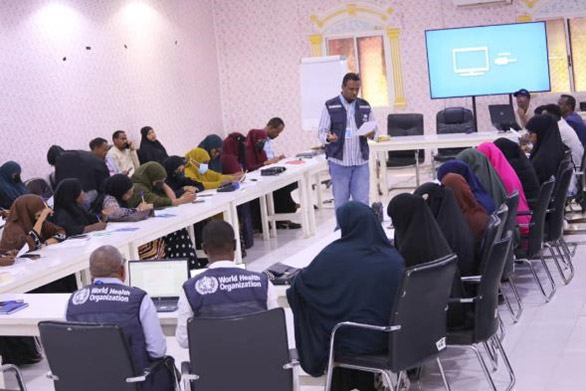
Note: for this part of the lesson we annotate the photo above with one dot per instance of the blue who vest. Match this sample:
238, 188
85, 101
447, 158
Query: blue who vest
222, 292
339, 116
113, 304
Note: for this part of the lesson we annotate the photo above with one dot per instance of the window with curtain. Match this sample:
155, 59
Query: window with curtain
566, 39
367, 56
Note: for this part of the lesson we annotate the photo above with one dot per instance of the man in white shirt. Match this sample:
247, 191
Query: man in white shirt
108, 300
122, 155
523, 98
224, 289
274, 128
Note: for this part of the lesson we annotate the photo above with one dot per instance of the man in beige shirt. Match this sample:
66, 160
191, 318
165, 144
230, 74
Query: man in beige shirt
122, 155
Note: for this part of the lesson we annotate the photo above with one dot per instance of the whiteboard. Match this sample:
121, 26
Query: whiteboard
321, 80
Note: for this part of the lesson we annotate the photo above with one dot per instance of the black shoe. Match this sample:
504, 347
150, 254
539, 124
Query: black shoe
287, 225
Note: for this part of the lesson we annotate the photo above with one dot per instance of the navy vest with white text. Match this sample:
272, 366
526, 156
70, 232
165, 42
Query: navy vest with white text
113, 304
339, 116
224, 292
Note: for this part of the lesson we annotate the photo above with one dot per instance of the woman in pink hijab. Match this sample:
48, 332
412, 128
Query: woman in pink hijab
509, 178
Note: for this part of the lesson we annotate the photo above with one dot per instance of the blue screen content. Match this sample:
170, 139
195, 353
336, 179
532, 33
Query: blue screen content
487, 60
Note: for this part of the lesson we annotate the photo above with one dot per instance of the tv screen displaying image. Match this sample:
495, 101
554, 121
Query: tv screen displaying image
487, 60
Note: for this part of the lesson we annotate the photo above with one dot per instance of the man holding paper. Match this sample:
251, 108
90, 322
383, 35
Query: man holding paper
346, 124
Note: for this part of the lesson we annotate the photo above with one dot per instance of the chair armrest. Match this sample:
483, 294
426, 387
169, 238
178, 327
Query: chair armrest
525, 213
386, 329
49, 375
186, 372
147, 372
462, 300
475, 279
294, 359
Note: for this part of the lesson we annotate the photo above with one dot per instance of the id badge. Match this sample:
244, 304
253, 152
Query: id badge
348, 133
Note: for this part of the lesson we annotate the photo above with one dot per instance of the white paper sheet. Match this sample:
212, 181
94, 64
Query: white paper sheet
366, 128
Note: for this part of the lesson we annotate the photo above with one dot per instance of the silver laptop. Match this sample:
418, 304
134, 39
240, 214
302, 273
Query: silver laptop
161, 279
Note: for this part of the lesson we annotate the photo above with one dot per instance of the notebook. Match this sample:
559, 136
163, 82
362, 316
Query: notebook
12, 306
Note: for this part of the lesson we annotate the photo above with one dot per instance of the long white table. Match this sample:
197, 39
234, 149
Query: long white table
67, 258
379, 151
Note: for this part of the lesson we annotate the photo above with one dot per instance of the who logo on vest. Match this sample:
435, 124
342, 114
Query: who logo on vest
81, 296
206, 285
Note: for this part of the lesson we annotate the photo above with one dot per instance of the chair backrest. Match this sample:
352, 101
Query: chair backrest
555, 220
512, 202
408, 124
89, 357
455, 120
490, 236
420, 310
244, 353
564, 164
486, 306
502, 213
536, 230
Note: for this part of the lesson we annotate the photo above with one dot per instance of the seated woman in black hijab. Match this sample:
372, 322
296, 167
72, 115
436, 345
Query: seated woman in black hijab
449, 217
119, 189
353, 279
69, 213
548, 149
176, 179
522, 166
417, 235
11, 185
151, 149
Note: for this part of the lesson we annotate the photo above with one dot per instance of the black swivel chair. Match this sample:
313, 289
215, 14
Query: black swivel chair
244, 353
405, 125
491, 234
532, 245
416, 328
91, 357
452, 120
19, 379
554, 239
484, 311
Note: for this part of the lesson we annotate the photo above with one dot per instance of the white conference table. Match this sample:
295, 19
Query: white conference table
379, 150
60, 260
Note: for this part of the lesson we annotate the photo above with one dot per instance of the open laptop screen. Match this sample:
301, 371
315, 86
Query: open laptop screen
161, 278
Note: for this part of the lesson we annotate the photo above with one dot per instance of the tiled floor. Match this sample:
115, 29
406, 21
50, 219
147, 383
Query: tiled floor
547, 348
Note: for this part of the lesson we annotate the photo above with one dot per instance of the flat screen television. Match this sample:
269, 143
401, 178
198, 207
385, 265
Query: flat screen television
487, 60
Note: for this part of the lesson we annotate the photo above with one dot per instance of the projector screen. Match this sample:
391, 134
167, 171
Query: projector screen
487, 60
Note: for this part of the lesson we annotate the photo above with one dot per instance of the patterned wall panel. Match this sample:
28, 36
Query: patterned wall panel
166, 77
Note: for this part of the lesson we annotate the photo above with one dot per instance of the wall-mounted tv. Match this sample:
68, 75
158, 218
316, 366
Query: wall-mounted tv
487, 60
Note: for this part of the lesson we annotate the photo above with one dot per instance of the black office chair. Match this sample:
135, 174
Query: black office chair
452, 120
416, 328
484, 311
405, 125
554, 239
491, 234
512, 202
91, 357
18, 376
531, 248
244, 353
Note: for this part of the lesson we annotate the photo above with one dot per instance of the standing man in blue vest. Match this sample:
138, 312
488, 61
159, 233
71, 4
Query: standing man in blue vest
108, 300
346, 151
224, 289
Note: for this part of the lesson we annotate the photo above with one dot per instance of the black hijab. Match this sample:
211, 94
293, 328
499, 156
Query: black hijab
118, 185
90, 170
68, 213
353, 279
150, 151
449, 217
522, 166
417, 235
213, 141
549, 151
178, 180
